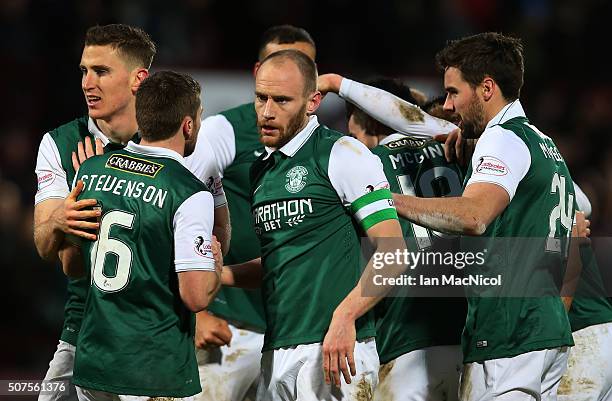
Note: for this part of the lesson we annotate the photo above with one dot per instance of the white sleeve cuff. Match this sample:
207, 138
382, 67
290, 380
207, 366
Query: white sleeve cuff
50, 174
500, 158
354, 171
193, 223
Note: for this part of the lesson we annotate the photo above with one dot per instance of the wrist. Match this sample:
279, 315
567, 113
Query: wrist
226, 276
345, 314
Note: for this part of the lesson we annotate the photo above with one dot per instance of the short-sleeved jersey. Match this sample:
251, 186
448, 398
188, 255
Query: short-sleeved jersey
526, 243
234, 147
137, 336
55, 174
310, 200
417, 166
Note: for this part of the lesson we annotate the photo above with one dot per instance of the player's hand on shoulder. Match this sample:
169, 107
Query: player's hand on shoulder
85, 151
329, 83
75, 218
211, 331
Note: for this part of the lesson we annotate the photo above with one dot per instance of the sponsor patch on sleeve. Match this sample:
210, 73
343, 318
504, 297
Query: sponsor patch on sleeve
203, 247
380, 185
490, 165
214, 185
134, 165
45, 178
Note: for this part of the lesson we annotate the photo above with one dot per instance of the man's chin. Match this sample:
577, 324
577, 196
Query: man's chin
97, 114
269, 141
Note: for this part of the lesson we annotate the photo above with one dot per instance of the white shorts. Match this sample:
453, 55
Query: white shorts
60, 369
296, 373
95, 395
526, 377
428, 374
589, 371
229, 373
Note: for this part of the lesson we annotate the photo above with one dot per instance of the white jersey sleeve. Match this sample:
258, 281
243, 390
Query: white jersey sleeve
51, 177
500, 158
582, 200
393, 111
359, 180
202, 164
193, 223
220, 140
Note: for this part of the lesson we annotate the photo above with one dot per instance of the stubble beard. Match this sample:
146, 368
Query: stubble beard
474, 119
297, 122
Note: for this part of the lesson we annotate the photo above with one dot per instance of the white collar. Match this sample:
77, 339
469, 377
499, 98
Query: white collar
508, 112
298, 140
391, 138
154, 151
93, 129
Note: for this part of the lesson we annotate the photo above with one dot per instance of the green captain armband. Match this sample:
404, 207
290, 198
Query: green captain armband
374, 207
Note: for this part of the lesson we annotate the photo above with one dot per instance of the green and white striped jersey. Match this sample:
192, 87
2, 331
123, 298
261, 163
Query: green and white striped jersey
312, 199
137, 337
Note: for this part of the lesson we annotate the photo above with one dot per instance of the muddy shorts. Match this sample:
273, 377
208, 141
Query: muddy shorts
296, 373
428, 374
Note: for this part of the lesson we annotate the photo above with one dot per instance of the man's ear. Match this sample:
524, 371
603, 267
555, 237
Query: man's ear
314, 102
255, 68
187, 127
488, 88
140, 74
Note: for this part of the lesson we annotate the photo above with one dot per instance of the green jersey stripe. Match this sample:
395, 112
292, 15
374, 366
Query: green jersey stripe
377, 217
369, 198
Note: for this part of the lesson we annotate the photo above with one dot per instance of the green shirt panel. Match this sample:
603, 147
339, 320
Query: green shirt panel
66, 138
310, 244
501, 323
240, 305
418, 167
590, 305
138, 339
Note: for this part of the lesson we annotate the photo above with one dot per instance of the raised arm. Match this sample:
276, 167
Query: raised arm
385, 107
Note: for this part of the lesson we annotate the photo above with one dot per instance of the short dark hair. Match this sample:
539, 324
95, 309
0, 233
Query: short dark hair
162, 102
370, 125
487, 54
132, 42
283, 34
435, 107
307, 67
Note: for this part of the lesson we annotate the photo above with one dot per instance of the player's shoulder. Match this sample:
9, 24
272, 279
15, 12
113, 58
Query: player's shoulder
245, 113
326, 136
75, 129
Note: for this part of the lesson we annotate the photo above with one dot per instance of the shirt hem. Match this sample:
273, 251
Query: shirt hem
135, 391
535, 346
310, 339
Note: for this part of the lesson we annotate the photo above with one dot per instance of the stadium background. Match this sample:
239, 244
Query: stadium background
567, 94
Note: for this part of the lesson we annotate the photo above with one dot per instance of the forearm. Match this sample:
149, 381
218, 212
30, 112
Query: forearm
222, 228
367, 293
393, 111
243, 275
72, 260
48, 239
454, 215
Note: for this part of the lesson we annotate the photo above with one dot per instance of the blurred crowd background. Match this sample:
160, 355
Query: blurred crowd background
567, 94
